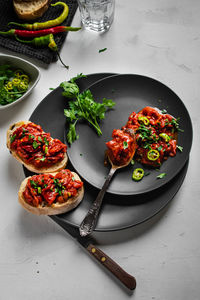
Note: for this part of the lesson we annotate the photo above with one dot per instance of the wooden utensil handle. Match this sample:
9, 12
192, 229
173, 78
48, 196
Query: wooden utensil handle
128, 280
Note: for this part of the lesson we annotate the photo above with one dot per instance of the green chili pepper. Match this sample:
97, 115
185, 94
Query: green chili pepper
46, 40
153, 154
49, 23
165, 137
143, 120
138, 174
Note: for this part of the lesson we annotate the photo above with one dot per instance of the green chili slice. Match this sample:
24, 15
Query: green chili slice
138, 174
143, 120
153, 154
164, 136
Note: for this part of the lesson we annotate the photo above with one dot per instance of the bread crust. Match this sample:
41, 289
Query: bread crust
54, 209
30, 9
54, 168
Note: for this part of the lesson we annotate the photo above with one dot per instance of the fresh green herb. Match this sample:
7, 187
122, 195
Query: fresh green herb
83, 107
132, 162
146, 173
180, 148
12, 138
33, 184
23, 131
161, 175
41, 158
73, 178
163, 111
146, 136
35, 144
77, 77
71, 89
160, 148
39, 190
45, 141
102, 50
58, 186
30, 136
125, 145
39, 139
175, 123
51, 89
46, 150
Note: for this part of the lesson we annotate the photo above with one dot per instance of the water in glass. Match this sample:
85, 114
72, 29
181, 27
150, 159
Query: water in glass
97, 15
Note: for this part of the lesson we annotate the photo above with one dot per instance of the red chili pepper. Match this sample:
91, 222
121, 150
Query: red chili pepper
35, 33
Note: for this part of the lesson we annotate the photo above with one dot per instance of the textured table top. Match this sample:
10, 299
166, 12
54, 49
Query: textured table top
38, 259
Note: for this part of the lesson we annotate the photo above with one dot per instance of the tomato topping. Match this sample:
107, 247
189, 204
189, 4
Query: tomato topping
156, 135
34, 146
46, 189
121, 147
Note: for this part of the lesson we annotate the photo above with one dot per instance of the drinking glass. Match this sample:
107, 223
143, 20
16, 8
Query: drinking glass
97, 15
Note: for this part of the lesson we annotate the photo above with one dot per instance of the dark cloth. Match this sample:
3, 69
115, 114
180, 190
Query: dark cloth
7, 14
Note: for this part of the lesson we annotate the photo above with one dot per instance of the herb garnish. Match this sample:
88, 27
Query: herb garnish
125, 145
146, 136
83, 107
33, 184
132, 162
45, 141
175, 123
35, 144
180, 148
161, 175
58, 186
102, 50
12, 138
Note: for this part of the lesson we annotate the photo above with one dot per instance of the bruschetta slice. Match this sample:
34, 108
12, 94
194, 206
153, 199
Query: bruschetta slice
51, 194
36, 149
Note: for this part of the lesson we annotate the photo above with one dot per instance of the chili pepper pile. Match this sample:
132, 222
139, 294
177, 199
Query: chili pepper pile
42, 33
13, 84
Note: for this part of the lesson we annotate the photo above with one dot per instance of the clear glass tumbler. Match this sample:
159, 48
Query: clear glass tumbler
97, 15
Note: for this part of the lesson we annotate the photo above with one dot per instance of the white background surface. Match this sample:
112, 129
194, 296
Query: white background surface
38, 260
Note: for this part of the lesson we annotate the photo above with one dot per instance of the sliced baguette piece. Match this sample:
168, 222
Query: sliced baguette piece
30, 10
54, 168
54, 209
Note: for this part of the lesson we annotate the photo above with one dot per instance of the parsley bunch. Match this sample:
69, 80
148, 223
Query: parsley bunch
83, 106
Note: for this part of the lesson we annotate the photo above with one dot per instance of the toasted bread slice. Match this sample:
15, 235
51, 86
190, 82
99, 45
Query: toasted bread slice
54, 209
53, 168
30, 10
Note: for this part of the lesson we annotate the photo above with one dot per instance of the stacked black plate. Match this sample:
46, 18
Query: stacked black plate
126, 203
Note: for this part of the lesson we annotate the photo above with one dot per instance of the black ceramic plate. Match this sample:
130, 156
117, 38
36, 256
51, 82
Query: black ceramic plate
131, 93
118, 212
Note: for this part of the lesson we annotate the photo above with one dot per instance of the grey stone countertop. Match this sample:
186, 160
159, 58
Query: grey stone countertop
38, 259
